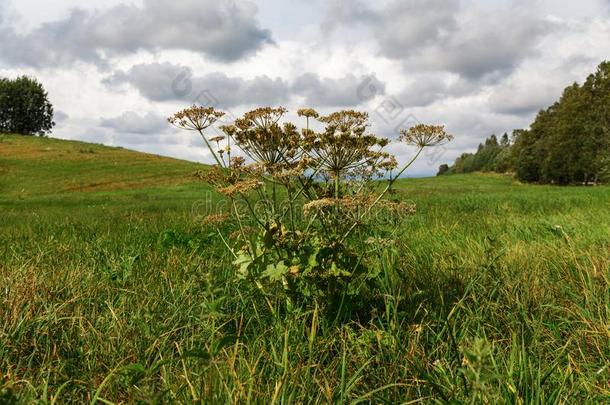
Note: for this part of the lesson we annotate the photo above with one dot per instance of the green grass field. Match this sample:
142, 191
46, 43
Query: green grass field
112, 291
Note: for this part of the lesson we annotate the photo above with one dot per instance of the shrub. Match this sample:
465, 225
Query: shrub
306, 206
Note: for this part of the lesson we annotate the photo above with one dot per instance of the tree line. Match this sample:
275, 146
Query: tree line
569, 142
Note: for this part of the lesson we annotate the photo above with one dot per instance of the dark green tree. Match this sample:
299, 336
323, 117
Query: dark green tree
463, 164
443, 169
568, 142
604, 171
490, 156
24, 107
597, 149
505, 142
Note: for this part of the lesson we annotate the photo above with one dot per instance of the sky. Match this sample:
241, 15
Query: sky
116, 69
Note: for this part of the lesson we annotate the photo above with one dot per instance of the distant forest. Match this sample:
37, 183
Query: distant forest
568, 143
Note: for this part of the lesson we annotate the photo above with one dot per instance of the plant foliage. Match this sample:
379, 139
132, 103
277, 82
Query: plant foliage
304, 203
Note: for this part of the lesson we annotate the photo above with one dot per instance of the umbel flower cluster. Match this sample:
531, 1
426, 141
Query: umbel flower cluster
302, 201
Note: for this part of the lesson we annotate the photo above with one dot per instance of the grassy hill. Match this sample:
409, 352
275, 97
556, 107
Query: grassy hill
112, 290
54, 178
33, 166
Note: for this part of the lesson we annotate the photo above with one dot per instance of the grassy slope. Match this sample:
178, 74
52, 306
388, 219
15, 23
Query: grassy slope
82, 180
53, 166
498, 290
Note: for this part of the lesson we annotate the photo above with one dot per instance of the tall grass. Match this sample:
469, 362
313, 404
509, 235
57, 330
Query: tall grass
495, 293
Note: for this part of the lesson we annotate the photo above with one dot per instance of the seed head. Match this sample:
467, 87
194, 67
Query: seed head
195, 118
422, 135
308, 112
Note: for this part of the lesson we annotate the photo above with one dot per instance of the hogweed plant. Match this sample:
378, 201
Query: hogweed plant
306, 206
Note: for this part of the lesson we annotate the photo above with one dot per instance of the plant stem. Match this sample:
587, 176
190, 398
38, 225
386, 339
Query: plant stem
388, 188
210, 149
337, 186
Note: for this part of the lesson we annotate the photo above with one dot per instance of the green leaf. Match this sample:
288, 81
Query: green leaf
338, 272
134, 368
135, 371
200, 354
313, 260
243, 262
226, 341
275, 272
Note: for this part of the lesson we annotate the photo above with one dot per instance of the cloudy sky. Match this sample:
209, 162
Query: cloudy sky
115, 69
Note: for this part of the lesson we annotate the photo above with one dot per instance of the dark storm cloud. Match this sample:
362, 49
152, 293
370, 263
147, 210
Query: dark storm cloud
225, 31
170, 82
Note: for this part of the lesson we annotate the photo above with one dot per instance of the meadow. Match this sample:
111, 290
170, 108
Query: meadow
112, 290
